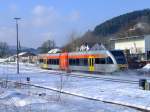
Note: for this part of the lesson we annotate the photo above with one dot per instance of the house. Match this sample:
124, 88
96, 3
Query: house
92, 46
27, 57
24, 57
134, 44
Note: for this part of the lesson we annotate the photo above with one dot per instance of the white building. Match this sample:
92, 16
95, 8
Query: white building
135, 44
24, 57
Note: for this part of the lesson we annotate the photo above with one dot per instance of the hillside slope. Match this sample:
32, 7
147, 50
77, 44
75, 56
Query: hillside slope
129, 24
137, 20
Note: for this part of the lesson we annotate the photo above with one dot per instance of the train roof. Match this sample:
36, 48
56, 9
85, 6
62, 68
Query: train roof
79, 53
90, 52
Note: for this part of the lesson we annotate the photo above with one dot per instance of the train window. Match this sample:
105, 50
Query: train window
45, 61
83, 62
57, 61
49, 61
97, 61
77, 62
100, 61
54, 62
119, 56
109, 60
41, 60
71, 61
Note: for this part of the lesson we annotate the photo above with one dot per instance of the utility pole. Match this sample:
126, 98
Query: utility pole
17, 44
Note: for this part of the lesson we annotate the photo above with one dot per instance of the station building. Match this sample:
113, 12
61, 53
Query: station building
25, 57
134, 44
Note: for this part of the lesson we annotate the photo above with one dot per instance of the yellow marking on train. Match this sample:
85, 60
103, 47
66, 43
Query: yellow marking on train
123, 66
91, 63
45, 66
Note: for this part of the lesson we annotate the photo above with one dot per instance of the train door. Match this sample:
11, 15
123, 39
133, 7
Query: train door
64, 61
91, 63
45, 64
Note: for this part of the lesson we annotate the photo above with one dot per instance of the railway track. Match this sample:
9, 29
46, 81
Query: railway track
96, 77
89, 76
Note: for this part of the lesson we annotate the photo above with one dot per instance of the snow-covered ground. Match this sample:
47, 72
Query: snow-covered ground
19, 100
2, 60
115, 92
146, 68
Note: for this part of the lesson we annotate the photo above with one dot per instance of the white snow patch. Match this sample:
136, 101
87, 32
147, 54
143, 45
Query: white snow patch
18, 99
146, 67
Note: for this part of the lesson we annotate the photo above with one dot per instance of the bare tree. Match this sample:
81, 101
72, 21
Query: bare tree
46, 46
3, 49
73, 42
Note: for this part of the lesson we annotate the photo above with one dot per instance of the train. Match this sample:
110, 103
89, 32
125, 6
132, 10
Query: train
86, 61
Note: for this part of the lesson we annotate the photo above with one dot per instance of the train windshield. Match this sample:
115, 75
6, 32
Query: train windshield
119, 56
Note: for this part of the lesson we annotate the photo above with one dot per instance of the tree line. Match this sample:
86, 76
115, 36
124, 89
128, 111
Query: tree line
117, 27
122, 22
6, 50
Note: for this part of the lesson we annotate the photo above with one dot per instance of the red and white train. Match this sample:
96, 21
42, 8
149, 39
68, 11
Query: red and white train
93, 61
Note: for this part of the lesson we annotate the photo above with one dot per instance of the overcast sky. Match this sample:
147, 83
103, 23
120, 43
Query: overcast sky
56, 19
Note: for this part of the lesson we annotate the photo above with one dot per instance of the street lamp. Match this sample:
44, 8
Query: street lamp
17, 44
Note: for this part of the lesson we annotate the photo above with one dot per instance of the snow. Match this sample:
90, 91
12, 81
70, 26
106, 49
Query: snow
18, 98
53, 51
24, 102
22, 53
146, 67
115, 92
2, 60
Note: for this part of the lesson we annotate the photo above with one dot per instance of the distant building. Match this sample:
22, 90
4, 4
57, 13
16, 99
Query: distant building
25, 57
91, 46
98, 46
84, 47
134, 44
54, 51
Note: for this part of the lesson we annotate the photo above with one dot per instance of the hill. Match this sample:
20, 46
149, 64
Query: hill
129, 24
137, 20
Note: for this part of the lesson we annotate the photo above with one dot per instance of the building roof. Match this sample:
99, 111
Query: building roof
124, 38
53, 51
26, 54
98, 46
